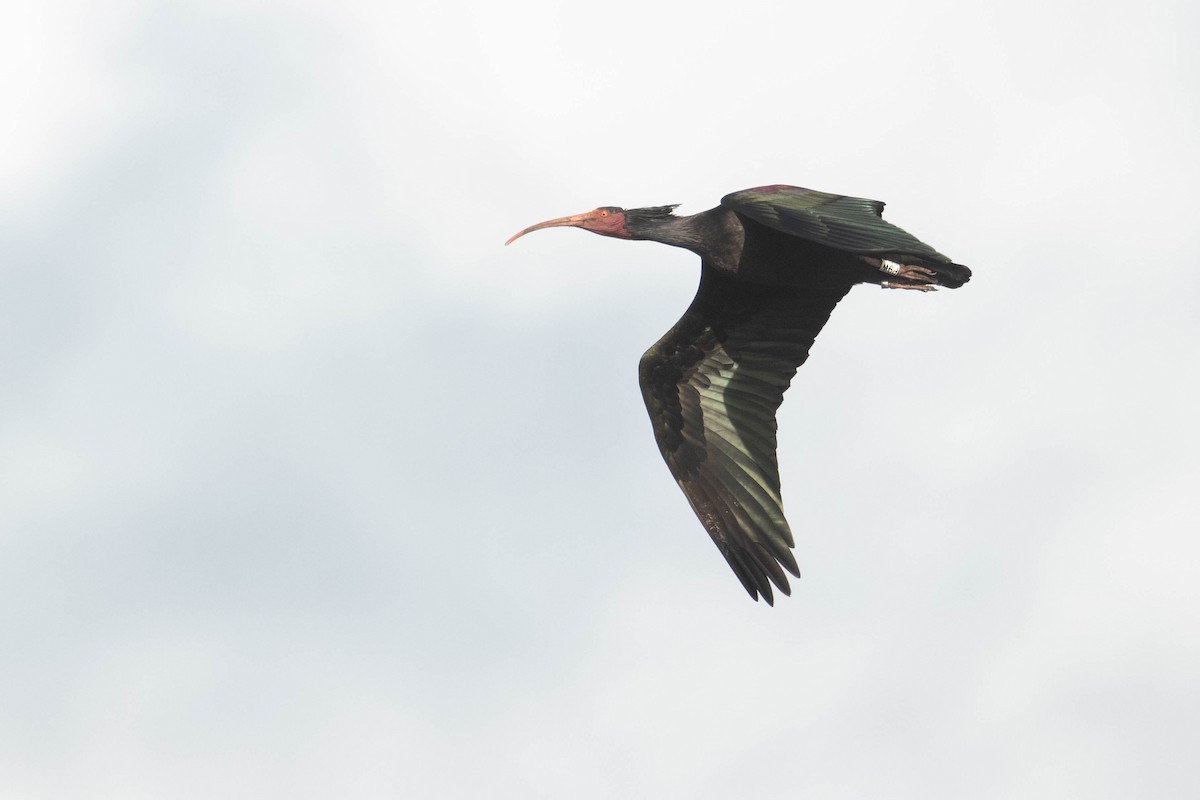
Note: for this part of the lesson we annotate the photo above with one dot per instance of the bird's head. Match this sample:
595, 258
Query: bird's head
607, 221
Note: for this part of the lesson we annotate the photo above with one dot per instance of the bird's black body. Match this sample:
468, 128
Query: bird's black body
775, 261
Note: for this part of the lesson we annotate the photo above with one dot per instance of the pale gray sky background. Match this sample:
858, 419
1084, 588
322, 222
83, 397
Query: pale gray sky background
310, 488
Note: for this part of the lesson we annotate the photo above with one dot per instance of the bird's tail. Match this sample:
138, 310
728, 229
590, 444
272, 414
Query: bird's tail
950, 275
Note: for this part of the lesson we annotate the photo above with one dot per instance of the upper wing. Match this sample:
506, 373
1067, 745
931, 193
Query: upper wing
854, 224
712, 385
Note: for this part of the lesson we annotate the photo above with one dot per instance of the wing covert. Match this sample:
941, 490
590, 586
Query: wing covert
854, 224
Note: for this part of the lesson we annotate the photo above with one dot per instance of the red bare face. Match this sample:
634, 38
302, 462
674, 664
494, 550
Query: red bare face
606, 221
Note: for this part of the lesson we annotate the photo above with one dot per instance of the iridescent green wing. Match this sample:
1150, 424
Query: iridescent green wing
853, 224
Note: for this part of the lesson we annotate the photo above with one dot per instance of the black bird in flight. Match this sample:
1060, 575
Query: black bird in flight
775, 260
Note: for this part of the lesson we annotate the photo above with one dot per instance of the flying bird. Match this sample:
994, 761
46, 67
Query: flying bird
774, 261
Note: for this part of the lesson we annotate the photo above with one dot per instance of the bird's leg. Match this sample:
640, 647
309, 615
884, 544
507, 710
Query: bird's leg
920, 287
910, 271
922, 277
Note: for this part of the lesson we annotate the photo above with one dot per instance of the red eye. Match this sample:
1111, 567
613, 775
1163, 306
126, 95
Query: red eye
604, 213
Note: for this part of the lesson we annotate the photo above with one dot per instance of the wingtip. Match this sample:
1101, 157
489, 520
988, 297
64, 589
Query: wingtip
757, 594
767, 594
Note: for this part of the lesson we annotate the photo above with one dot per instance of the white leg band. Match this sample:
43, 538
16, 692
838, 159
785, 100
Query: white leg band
890, 267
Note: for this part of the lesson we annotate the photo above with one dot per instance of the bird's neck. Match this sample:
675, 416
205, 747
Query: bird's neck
716, 228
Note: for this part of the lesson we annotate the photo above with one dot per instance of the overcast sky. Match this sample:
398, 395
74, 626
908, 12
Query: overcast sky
310, 488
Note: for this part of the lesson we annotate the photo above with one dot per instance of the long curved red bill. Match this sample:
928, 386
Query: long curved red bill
574, 221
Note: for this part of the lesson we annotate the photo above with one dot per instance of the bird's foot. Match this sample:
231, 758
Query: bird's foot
920, 287
911, 276
911, 272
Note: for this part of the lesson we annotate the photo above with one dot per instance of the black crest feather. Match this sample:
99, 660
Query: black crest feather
650, 214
